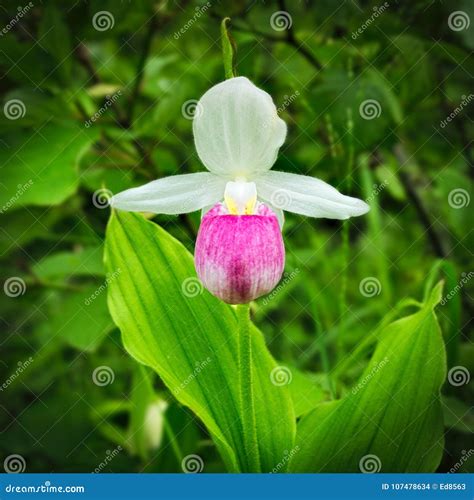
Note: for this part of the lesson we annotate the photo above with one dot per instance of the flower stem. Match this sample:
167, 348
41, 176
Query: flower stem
246, 388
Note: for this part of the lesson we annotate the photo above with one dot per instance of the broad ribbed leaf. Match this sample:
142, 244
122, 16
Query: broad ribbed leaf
392, 419
188, 337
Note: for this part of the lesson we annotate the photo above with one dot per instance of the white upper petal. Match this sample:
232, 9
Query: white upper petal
237, 130
307, 196
177, 194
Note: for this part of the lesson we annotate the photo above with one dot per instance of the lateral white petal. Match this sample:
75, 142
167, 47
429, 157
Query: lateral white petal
237, 131
177, 194
307, 196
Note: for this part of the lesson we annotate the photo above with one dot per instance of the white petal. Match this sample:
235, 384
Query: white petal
177, 194
307, 196
237, 130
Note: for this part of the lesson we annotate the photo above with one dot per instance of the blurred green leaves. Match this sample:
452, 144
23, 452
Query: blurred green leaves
41, 167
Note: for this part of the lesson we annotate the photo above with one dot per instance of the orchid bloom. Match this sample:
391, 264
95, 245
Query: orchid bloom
239, 253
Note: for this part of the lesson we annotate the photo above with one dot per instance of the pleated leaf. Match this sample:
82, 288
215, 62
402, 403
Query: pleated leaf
391, 421
170, 323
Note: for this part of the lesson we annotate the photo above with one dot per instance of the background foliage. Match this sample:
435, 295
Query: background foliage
94, 105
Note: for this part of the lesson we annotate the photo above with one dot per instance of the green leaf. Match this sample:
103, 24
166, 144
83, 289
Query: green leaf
228, 49
81, 318
86, 262
393, 413
40, 167
168, 322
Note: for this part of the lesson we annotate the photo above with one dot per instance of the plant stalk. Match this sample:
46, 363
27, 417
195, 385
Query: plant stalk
246, 388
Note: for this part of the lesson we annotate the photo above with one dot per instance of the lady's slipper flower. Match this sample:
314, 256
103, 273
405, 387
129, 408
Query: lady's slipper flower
239, 250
